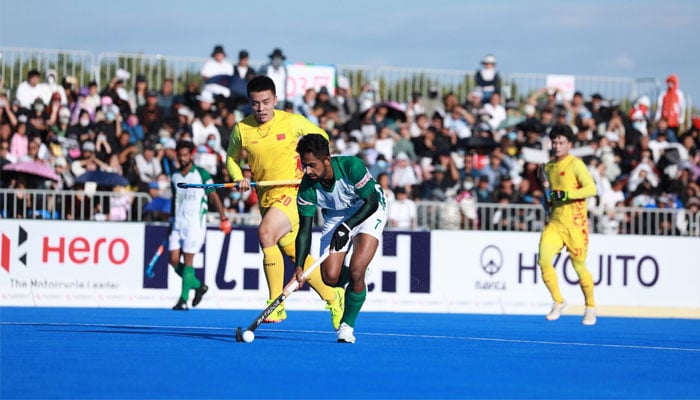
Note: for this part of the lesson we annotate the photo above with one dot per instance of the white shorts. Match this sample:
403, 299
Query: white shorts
374, 226
190, 240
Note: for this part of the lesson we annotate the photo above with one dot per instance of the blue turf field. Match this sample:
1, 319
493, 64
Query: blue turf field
150, 353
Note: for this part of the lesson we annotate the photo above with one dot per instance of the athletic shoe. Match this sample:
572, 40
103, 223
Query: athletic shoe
337, 306
181, 305
557, 309
198, 294
278, 315
345, 333
589, 317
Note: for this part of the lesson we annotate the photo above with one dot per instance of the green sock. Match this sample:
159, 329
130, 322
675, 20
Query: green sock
189, 281
353, 304
344, 277
179, 268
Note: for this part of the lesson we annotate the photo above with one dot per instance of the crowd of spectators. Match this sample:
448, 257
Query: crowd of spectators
429, 148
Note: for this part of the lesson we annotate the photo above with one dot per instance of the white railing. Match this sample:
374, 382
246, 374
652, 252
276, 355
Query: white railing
395, 83
155, 67
450, 215
15, 62
531, 218
69, 205
609, 87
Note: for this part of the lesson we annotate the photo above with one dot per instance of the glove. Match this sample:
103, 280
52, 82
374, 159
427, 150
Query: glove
225, 226
559, 195
341, 238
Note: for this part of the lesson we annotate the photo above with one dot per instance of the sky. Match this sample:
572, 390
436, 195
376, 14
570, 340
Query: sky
629, 39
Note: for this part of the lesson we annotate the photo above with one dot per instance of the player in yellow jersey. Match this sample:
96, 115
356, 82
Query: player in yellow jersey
268, 138
570, 184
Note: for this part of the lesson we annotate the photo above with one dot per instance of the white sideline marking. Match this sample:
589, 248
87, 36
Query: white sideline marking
405, 335
624, 346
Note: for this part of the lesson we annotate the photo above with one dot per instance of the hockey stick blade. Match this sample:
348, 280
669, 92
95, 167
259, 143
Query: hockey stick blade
149, 271
289, 289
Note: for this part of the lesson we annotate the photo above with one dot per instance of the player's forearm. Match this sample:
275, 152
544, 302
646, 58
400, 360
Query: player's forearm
303, 240
233, 156
583, 192
368, 208
234, 170
587, 188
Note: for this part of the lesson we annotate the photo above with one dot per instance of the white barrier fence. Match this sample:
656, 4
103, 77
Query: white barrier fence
80, 264
393, 83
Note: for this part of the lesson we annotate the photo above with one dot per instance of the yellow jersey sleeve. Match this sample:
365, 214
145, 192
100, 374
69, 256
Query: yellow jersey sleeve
233, 155
585, 181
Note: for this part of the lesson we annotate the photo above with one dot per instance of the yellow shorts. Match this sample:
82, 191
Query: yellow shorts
555, 236
283, 198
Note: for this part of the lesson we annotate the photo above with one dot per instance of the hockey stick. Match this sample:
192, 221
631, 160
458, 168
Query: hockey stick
288, 182
154, 259
542, 174
289, 289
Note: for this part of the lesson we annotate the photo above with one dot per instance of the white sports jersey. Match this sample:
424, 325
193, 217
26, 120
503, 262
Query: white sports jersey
353, 182
191, 205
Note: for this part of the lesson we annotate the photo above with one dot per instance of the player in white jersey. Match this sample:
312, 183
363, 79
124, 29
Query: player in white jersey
188, 222
353, 207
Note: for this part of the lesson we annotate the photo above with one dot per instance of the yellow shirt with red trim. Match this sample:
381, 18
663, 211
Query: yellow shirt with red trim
571, 175
270, 147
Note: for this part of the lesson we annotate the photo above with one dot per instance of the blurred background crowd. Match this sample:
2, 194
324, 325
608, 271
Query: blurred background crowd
430, 147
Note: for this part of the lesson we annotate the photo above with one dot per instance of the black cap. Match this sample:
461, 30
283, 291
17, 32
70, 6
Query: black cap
218, 49
277, 53
243, 54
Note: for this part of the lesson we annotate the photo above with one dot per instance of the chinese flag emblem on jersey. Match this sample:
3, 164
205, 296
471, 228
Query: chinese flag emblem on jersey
280, 136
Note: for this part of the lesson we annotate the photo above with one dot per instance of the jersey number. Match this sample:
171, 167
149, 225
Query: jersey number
286, 200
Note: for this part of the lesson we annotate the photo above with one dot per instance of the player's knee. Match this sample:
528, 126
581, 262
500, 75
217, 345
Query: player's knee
267, 236
357, 275
545, 262
546, 256
583, 274
357, 286
329, 278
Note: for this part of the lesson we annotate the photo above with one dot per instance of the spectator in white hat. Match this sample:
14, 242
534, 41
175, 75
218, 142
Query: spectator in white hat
117, 92
54, 86
206, 103
488, 78
169, 162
